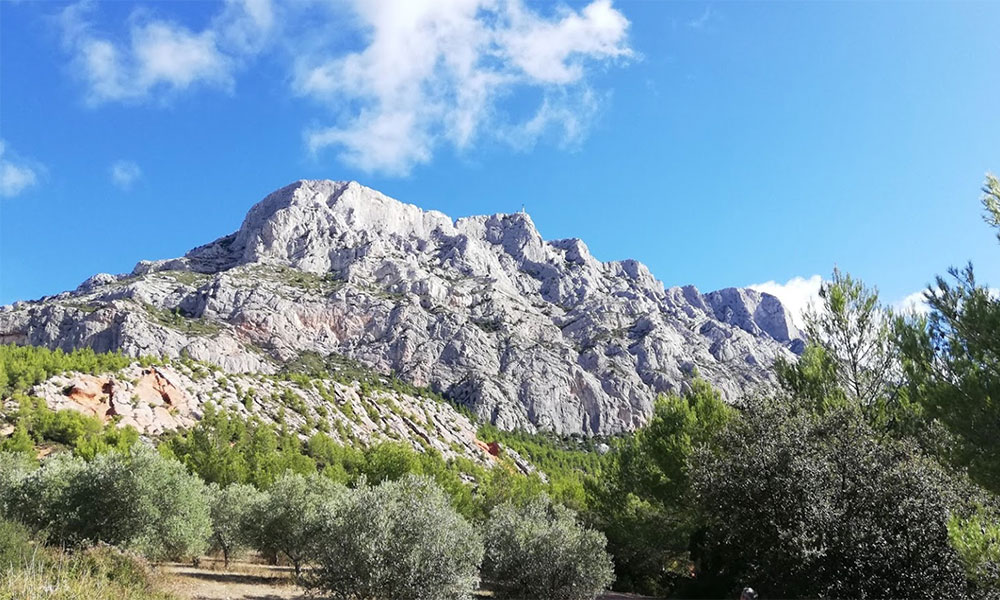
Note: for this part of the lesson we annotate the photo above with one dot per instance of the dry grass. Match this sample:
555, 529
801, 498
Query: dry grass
42, 579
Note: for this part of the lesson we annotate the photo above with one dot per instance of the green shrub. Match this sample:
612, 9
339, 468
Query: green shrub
977, 541
541, 551
101, 573
112, 564
401, 540
808, 506
22, 367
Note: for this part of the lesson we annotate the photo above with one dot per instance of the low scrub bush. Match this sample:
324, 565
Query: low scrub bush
97, 574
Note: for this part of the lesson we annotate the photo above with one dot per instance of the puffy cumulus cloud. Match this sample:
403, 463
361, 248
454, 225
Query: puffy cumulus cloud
400, 78
433, 72
915, 303
798, 295
159, 56
124, 173
16, 173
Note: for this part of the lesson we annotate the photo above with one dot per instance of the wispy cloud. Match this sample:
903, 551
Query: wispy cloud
158, 57
16, 173
426, 73
798, 295
704, 20
124, 173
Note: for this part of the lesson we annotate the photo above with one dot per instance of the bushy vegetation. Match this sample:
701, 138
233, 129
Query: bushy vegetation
807, 505
137, 500
22, 367
35, 423
976, 539
98, 573
400, 539
566, 461
540, 550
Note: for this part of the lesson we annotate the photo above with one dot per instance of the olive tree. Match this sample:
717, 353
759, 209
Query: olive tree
401, 539
14, 466
38, 498
542, 551
136, 499
140, 500
231, 507
285, 519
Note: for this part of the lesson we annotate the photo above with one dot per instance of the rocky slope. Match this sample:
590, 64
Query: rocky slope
359, 408
528, 333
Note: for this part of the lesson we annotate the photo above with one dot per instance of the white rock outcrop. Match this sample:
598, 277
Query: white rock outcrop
528, 333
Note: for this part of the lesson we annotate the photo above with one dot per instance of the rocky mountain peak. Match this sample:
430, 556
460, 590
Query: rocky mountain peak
527, 332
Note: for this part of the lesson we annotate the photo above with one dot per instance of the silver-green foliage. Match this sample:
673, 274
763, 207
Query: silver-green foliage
231, 509
286, 518
540, 550
401, 540
137, 500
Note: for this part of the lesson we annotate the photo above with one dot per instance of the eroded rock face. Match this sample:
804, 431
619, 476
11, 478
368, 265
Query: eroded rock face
528, 333
152, 402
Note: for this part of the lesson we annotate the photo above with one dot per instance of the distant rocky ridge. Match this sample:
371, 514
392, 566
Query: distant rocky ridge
527, 333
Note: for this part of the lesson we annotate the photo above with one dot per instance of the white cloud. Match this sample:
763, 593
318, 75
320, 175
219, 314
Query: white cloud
16, 174
798, 295
124, 173
433, 72
401, 78
914, 303
160, 56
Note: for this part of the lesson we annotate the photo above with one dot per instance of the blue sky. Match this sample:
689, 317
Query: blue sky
722, 144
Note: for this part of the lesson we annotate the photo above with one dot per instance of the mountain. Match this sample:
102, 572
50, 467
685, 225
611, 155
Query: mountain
527, 333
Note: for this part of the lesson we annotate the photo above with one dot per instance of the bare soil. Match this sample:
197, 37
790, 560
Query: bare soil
253, 581
242, 581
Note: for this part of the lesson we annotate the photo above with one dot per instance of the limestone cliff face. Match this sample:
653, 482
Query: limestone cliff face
528, 333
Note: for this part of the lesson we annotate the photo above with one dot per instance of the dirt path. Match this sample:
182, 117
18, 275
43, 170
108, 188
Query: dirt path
248, 581
243, 581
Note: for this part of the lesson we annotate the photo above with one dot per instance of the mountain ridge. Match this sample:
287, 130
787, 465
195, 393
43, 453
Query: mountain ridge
528, 333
